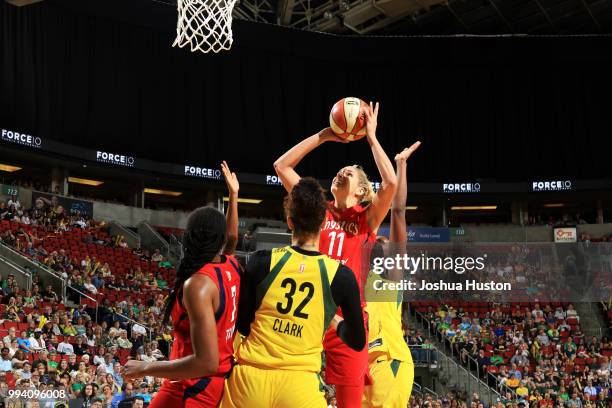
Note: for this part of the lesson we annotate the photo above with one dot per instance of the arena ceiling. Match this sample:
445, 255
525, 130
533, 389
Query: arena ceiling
432, 17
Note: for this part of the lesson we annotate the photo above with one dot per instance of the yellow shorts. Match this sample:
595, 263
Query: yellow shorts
253, 387
392, 384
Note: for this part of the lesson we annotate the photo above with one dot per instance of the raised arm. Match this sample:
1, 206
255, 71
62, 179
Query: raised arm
397, 236
199, 292
382, 201
398, 206
285, 165
232, 209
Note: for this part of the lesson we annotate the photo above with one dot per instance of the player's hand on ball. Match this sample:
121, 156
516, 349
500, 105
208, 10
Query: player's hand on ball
327, 135
134, 369
230, 179
371, 118
407, 152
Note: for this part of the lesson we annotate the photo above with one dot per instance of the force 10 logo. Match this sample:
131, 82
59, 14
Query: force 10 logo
116, 159
273, 180
557, 185
461, 187
203, 172
21, 138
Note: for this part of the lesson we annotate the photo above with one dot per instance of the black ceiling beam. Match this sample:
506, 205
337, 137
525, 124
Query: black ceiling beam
588, 9
457, 17
545, 13
499, 13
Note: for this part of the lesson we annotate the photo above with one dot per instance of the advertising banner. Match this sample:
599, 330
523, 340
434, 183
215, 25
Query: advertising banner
565, 234
71, 205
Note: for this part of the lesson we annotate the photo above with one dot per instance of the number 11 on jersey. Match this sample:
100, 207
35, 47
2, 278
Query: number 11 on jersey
332, 242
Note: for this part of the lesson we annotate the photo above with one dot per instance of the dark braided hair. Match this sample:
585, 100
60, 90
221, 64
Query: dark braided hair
203, 239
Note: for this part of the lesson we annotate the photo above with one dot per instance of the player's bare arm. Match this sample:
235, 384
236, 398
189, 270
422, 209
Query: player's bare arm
231, 180
397, 234
200, 294
377, 211
285, 165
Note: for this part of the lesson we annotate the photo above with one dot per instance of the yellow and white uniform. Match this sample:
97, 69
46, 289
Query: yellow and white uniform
280, 359
389, 356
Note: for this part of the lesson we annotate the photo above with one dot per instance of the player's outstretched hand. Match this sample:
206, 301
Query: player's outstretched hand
134, 369
371, 117
230, 179
407, 152
327, 135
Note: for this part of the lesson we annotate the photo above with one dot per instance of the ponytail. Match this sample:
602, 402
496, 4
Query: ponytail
203, 239
368, 195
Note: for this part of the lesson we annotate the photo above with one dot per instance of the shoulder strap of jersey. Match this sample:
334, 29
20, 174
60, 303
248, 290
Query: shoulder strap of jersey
232, 260
328, 268
278, 259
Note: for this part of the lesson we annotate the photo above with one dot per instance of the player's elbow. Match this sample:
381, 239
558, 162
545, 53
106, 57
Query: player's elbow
398, 211
353, 336
279, 166
206, 367
391, 182
358, 342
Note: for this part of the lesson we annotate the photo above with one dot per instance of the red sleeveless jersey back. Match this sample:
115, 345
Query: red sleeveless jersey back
226, 275
347, 237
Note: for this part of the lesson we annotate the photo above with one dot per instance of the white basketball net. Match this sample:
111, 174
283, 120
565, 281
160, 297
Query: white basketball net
204, 25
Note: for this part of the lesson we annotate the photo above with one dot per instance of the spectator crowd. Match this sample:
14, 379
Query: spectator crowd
77, 349
534, 354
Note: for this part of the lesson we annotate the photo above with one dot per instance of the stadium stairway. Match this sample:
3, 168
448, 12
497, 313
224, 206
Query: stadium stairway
450, 375
27, 267
457, 378
150, 239
592, 321
132, 238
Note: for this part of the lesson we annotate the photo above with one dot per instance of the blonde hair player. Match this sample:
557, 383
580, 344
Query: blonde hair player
389, 357
351, 222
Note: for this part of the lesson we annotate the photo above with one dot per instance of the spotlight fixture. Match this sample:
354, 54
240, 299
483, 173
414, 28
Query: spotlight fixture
9, 168
473, 207
162, 192
86, 182
245, 200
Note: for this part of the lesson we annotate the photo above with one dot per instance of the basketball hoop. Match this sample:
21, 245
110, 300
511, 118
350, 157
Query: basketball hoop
204, 25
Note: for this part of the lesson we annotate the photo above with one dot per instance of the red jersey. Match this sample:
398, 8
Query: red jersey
347, 237
226, 275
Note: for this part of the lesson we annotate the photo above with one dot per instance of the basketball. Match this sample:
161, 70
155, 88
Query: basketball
347, 118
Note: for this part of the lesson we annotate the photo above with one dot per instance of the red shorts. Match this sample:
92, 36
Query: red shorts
203, 392
343, 365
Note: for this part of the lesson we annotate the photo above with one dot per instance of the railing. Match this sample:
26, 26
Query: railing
24, 279
82, 295
423, 355
473, 383
420, 390
46, 275
132, 238
592, 331
175, 250
149, 330
151, 239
